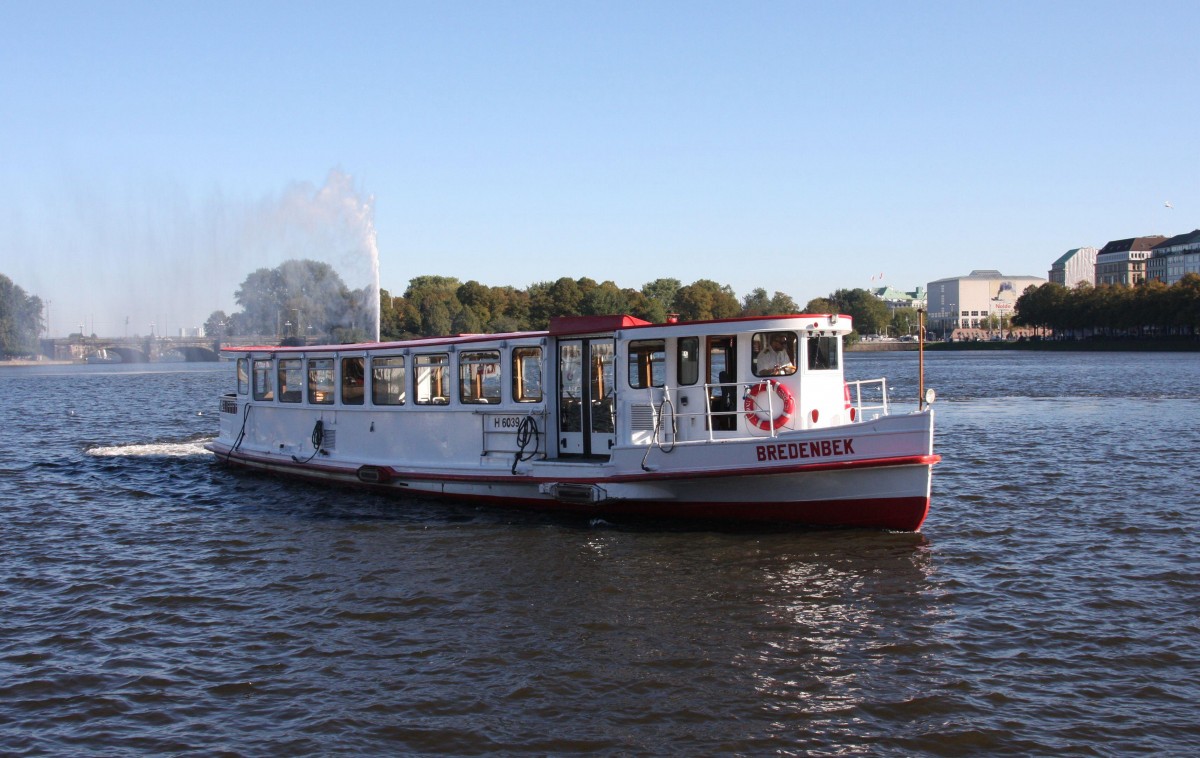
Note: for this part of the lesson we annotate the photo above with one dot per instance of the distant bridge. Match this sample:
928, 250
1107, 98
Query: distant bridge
146, 349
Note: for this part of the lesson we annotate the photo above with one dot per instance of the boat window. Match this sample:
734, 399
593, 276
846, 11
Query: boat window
527, 374
723, 401
264, 389
647, 359
431, 385
387, 380
774, 353
479, 376
688, 369
353, 377
320, 381
822, 353
291, 380
243, 376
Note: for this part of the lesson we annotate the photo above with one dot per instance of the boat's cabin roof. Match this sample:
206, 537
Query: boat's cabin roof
620, 326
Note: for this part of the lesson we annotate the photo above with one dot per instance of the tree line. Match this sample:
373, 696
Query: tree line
1149, 308
306, 300
20, 320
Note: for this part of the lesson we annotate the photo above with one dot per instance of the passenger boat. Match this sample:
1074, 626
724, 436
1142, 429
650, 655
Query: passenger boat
747, 420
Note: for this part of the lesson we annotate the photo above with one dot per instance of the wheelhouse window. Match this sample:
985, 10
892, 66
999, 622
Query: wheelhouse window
527, 374
431, 385
264, 388
353, 378
688, 368
243, 376
387, 380
291, 380
774, 353
822, 353
320, 381
479, 376
647, 359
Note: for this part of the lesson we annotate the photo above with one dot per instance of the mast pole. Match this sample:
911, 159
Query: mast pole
920, 359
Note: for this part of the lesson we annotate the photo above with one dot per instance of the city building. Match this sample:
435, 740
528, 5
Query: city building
968, 302
1172, 258
896, 299
1075, 266
1124, 261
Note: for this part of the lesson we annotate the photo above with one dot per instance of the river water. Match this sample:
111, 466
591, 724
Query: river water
154, 603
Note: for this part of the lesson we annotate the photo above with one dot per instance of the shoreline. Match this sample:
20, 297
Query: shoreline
28, 362
1088, 346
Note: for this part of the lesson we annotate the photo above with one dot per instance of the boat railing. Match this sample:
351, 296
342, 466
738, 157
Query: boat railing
869, 397
726, 402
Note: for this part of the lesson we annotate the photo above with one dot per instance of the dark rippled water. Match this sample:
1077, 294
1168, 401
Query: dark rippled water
152, 603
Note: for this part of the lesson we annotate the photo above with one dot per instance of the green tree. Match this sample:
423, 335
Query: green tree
661, 296
391, 316
604, 299
563, 297
218, 324
904, 321
758, 304
299, 294
705, 299
869, 313
20, 319
821, 305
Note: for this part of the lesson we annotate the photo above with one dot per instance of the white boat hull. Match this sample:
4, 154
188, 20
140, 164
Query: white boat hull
874, 474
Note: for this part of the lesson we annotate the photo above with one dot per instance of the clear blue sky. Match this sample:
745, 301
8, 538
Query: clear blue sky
154, 154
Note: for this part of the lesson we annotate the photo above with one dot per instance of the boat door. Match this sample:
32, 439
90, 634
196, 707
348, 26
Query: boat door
723, 400
586, 397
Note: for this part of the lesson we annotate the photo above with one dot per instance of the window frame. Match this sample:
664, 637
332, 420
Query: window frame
243, 376
519, 358
438, 366
353, 389
263, 373
759, 341
286, 368
687, 367
472, 373
834, 352
382, 366
637, 364
315, 386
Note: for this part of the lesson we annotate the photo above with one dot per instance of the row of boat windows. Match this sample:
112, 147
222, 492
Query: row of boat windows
775, 354
479, 375
479, 378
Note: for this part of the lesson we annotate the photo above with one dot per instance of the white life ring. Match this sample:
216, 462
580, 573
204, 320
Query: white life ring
755, 413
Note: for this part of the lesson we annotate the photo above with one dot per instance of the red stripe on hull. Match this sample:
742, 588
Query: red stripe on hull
903, 514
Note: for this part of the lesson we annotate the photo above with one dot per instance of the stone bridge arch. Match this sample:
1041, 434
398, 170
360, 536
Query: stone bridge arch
197, 354
128, 354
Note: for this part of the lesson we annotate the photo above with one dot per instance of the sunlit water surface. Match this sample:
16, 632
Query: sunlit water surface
154, 603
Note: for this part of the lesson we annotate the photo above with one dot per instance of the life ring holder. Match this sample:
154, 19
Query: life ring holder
754, 411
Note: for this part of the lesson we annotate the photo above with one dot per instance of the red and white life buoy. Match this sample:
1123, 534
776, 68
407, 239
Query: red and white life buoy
758, 415
850, 409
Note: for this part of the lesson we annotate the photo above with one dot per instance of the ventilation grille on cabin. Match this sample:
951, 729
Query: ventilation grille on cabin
642, 417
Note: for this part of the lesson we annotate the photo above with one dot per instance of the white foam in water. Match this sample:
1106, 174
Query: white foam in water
159, 450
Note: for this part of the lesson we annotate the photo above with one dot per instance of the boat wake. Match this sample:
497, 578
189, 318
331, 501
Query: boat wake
191, 448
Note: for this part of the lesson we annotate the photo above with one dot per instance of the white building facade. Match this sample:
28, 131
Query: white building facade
967, 302
1075, 266
1172, 258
